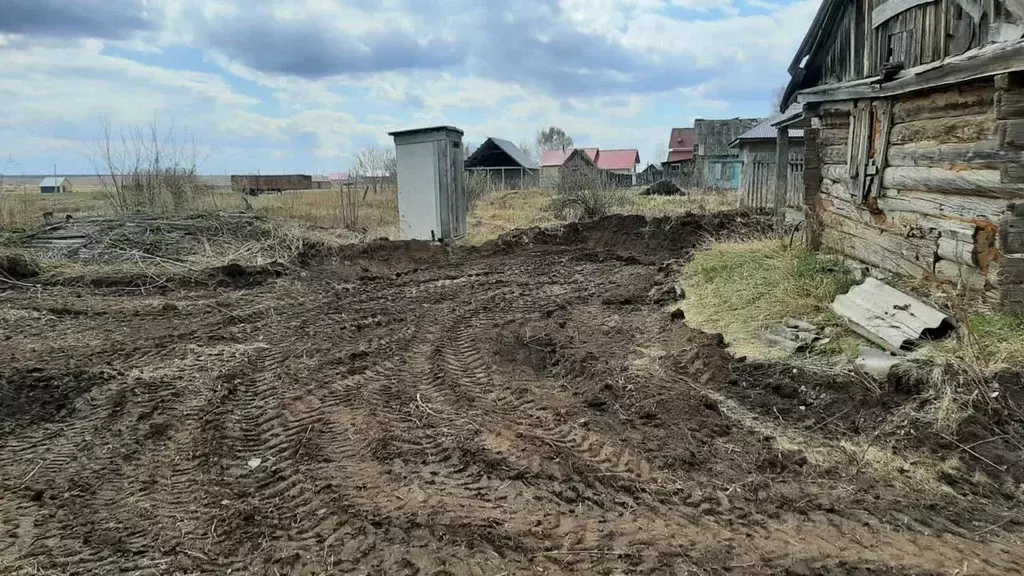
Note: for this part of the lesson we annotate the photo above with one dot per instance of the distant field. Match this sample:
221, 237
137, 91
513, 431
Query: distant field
91, 181
23, 206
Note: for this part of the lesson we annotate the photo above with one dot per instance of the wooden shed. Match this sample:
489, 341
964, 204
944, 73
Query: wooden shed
913, 118
505, 165
758, 148
55, 185
432, 201
716, 165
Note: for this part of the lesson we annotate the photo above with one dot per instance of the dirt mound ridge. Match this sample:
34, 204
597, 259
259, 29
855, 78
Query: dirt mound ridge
642, 237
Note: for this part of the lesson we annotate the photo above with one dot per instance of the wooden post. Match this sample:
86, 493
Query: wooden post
781, 174
812, 186
503, 179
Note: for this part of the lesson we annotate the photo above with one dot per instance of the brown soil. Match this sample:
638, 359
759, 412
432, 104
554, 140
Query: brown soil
526, 407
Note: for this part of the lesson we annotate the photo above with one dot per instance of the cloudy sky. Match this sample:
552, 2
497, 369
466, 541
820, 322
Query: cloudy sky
302, 85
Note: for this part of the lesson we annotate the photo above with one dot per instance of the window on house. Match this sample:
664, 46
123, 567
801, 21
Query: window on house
723, 172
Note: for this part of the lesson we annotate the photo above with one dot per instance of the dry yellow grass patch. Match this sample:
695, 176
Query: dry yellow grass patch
374, 213
741, 288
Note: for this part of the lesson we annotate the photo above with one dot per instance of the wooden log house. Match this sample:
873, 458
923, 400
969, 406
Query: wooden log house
913, 119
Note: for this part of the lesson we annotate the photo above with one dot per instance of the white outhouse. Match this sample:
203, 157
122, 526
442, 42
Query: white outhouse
432, 202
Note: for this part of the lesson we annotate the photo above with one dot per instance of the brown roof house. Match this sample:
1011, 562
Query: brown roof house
913, 119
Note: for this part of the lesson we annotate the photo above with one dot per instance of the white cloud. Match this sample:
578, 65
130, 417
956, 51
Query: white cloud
311, 81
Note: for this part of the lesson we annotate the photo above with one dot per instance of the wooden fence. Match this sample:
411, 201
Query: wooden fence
757, 182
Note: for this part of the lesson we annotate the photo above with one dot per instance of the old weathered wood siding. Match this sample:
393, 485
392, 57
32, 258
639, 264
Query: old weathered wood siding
918, 184
757, 188
871, 33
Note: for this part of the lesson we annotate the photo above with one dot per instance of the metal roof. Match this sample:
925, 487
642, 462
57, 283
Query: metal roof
558, 157
514, 152
681, 140
52, 181
425, 130
765, 130
618, 159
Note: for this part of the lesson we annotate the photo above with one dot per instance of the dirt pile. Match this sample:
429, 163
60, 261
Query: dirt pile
670, 237
16, 266
507, 410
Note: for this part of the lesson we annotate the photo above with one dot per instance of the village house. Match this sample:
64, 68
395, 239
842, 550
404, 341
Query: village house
758, 148
679, 163
618, 166
55, 185
913, 119
716, 165
503, 164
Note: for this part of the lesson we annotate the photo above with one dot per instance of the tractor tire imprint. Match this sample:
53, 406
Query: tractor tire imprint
529, 406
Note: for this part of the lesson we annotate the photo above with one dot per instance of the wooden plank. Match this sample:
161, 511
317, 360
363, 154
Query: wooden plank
891, 8
781, 174
956, 101
984, 154
973, 8
973, 65
1009, 105
884, 115
977, 182
1012, 173
1011, 134
973, 208
946, 130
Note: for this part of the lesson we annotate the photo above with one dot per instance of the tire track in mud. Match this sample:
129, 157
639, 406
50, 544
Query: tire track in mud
382, 426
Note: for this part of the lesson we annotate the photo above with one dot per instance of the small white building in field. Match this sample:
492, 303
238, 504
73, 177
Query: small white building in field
54, 185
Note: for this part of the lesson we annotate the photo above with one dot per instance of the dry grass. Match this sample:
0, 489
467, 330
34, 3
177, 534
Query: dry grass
376, 213
741, 288
365, 212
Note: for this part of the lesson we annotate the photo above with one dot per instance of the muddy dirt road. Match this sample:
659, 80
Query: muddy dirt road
528, 408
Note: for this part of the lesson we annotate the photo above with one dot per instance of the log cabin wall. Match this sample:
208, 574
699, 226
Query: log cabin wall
914, 184
869, 34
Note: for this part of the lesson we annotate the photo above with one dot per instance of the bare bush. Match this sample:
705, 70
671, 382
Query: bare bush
141, 169
478, 185
585, 194
376, 168
349, 206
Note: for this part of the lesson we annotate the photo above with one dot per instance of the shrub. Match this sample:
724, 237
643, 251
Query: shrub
586, 194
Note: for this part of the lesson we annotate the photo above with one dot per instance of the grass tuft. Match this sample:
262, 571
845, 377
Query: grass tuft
742, 288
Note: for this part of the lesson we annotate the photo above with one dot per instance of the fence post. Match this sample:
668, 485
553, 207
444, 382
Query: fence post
781, 174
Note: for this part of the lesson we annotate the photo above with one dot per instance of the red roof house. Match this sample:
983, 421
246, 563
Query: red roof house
618, 161
680, 145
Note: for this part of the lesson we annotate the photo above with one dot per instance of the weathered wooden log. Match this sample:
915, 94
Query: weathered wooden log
977, 182
984, 154
954, 250
1011, 134
943, 205
877, 246
958, 129
836, 172
834, 155
834, 136
965, 101
1009, 105
963, 275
